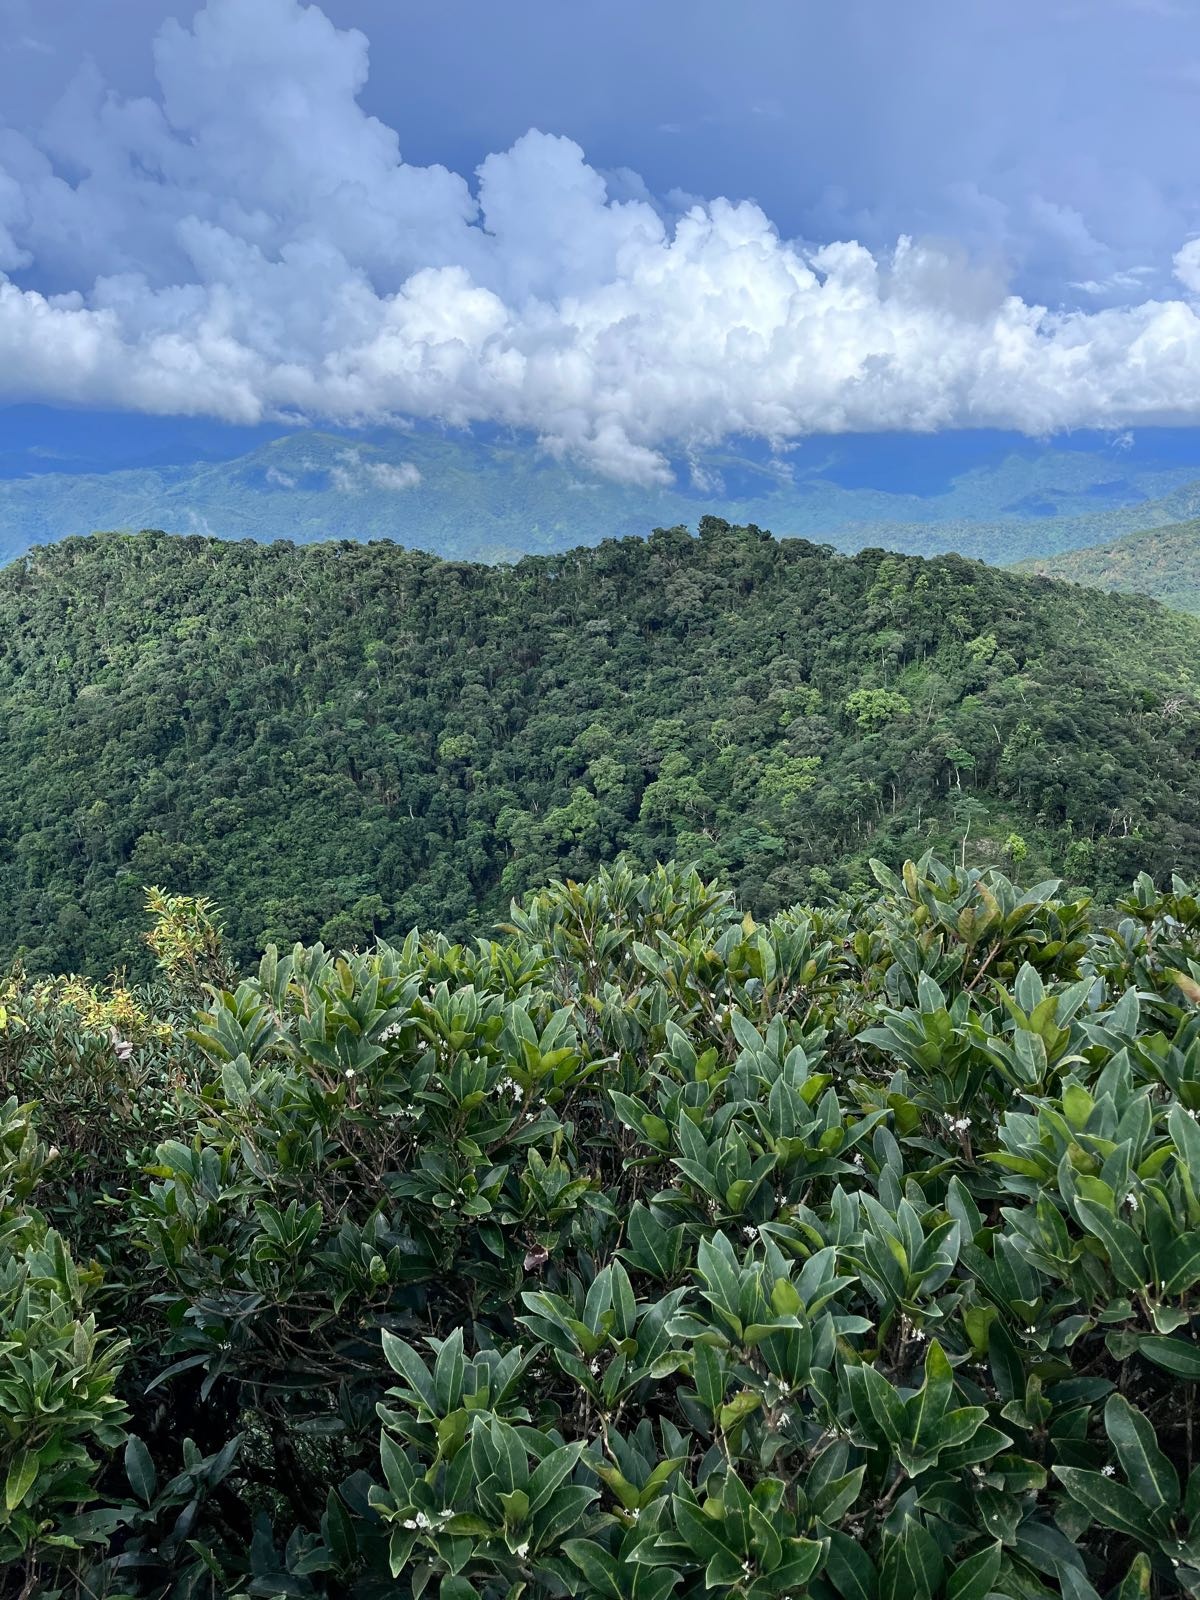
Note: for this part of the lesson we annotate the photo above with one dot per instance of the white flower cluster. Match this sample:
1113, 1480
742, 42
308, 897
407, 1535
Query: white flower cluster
961, 1124
422, 1520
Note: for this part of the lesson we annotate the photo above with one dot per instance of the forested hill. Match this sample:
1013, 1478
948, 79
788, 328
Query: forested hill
342, 739
1163, 563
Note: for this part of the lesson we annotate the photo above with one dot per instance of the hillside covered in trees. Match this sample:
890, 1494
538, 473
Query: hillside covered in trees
1163, 563
346, 739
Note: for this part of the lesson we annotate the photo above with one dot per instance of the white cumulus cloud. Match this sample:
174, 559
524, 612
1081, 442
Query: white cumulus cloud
251, 244
1187, 265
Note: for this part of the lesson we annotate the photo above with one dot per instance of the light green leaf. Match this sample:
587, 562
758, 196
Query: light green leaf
21, 1474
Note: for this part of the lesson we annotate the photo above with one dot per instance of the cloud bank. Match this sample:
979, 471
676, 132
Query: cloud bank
249, 244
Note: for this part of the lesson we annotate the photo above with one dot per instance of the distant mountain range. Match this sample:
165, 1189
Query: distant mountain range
496, 499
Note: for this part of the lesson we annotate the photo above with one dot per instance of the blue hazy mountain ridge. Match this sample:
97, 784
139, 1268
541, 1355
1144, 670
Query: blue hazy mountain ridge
496, 498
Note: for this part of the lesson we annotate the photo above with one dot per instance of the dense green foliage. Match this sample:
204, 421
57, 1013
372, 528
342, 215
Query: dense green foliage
645, 1252
1163, 563
479, 499
343, 739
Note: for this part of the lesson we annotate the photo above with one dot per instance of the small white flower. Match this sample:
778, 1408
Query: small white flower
919, 1335
1031, 1329
350, 1073
1131, 1200
594, 1364
1109, 1472
408, 1523
749, 1233
523, 1548
785, 1418
423, 1521
858, 1162
961, 1124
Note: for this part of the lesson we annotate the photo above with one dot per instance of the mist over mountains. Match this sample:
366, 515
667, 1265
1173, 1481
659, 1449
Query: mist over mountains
495, 497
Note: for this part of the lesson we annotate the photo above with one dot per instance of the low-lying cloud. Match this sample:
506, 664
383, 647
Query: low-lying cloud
250, 244
385, 476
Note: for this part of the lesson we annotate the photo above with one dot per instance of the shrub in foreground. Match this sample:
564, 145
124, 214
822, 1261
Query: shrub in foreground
642, 1251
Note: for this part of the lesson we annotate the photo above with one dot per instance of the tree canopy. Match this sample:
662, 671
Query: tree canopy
341, 740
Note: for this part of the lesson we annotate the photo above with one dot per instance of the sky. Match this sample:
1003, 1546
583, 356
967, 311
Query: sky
629, 229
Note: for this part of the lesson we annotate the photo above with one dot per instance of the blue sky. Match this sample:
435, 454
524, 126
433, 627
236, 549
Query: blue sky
771, 218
